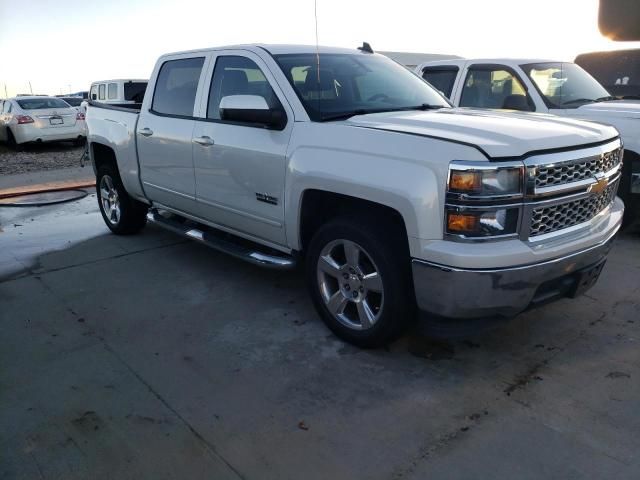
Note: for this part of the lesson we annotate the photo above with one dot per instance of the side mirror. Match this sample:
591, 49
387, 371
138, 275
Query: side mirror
251, 109
94, 96
516, 102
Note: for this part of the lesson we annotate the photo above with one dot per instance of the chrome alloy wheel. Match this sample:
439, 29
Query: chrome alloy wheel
350, 284
110, 200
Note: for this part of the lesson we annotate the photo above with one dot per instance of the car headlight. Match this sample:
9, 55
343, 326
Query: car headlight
477, 181
483, 199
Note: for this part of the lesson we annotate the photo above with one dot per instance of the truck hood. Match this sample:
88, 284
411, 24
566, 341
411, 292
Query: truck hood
616, 108
497, 134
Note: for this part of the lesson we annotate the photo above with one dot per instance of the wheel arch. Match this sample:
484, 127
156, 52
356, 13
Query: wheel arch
318, 206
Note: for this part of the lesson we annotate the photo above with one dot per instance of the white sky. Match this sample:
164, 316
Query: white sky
62, 45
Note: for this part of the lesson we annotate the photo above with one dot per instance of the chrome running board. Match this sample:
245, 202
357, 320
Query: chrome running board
242, 249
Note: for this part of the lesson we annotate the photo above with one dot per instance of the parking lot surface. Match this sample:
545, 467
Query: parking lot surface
155, 357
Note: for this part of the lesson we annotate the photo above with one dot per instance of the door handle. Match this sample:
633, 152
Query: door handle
147, 132
204, 141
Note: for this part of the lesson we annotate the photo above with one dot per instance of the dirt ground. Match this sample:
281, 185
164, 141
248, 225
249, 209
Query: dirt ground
35, 158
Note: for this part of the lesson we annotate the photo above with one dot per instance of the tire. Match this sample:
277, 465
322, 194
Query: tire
361, 307
11, 142
122, 214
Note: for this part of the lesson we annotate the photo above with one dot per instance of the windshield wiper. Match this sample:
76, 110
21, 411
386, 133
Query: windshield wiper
347, 115
608, 98
579, 100
344, 115
423, 106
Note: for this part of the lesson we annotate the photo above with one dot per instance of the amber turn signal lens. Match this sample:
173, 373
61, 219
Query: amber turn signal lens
459, 222
465, 181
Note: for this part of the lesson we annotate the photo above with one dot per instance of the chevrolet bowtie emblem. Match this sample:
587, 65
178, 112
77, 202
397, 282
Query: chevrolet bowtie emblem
600, 185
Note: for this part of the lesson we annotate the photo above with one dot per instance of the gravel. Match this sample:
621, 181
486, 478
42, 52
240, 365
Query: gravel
37, 158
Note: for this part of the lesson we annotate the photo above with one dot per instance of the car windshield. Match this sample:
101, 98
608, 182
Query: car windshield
334, 86
73, 101
565, 85
42, 103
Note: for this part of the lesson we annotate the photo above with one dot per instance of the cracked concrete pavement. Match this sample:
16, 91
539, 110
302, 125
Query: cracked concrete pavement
155, 357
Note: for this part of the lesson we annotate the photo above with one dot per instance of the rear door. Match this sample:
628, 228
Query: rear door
240, 175
165, 130
5, 112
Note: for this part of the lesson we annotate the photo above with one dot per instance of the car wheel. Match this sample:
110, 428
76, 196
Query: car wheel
122, 214
359, 278
11, 141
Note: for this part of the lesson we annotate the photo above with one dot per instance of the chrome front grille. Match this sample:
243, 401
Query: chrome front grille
576, 170
564, 215
567, 189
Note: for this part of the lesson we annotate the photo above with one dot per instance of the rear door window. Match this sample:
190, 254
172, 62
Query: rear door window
112, 91
176, 87
442, 78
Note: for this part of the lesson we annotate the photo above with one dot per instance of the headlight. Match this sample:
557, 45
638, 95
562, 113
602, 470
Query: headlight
484, 182
484, 199
482, 222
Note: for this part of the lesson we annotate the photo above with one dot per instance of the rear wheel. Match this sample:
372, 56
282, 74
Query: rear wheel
122, 214
359, 277
11, 141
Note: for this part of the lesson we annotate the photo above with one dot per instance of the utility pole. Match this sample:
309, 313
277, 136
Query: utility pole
6, 95
30, 89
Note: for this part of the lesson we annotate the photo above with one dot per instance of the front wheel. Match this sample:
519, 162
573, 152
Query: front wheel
122, 214
359, 278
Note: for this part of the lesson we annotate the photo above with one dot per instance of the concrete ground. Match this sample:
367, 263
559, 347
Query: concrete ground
155, 357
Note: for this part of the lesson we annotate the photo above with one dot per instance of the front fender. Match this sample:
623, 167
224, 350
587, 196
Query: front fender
407, 173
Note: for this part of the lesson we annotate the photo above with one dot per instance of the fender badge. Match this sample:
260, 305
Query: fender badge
600, 185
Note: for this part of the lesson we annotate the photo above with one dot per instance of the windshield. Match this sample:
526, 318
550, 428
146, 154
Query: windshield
565, 85
73, 101
41, 103
355, 84
134, 91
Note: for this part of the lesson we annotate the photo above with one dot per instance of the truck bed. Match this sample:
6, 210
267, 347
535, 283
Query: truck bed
113, 126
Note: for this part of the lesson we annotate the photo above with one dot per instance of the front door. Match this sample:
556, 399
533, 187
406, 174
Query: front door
240, 174
164, 135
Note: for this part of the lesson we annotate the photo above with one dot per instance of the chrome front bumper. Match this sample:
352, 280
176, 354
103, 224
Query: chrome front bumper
472, 293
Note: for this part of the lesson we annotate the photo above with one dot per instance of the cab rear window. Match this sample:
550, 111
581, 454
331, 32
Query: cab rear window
134, 91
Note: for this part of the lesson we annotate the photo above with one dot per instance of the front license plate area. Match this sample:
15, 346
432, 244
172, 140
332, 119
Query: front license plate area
56, 121
585, 279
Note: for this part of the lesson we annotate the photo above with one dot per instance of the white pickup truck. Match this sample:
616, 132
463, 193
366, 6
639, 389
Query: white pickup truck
394, 201
544, 86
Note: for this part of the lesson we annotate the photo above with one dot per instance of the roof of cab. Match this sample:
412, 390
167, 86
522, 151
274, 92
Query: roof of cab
114, 80
498, 61
275, 49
